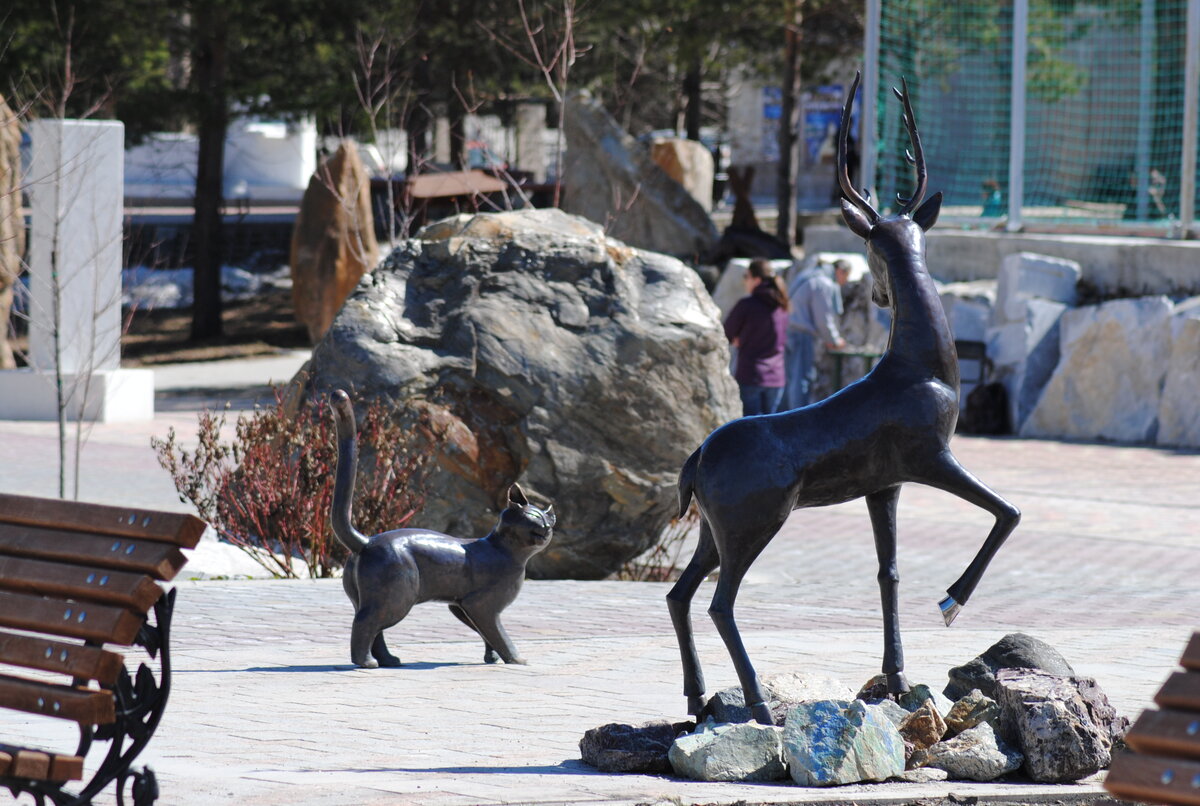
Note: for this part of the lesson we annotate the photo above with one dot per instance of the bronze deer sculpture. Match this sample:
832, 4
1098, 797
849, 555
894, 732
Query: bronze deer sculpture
890, 427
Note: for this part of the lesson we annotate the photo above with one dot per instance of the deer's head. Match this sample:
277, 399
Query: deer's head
903, 232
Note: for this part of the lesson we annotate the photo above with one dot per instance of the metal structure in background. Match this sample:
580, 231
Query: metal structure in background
1077, 118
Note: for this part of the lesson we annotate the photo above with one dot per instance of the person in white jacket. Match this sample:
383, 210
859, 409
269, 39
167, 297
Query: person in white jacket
816, 297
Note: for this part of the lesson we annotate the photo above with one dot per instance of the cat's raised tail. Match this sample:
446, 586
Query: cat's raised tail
347, 471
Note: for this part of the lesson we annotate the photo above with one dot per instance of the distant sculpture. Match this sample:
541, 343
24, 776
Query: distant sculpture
892, 426
389, 573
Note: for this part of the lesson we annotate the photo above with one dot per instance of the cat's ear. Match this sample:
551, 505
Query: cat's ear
515, 496
550, 517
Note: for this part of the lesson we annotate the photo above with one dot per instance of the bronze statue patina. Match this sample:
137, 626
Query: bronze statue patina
865, 441
389, 573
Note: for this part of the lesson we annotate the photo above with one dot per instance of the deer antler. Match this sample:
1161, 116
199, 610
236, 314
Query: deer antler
843, 146
910, 122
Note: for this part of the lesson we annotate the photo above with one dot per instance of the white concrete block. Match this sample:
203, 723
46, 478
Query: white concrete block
75, 182
1024, 355
1109, 380
1179, 410
1025, 275
106, 396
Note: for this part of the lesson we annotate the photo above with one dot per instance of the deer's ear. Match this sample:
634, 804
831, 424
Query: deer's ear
515, 496
856, 220
927, 214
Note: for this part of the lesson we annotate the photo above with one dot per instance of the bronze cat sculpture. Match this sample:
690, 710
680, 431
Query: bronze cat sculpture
389, 573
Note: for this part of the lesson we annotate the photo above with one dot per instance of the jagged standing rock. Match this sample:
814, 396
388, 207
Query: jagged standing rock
615, 183
12, 224
333, 241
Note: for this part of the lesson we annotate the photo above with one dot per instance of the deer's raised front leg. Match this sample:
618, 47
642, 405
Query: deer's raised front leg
947, 474
679, 603
882, 507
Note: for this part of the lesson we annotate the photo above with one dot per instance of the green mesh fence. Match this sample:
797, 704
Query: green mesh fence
1104, 107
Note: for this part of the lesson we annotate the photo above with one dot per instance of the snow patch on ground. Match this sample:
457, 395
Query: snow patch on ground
147, 289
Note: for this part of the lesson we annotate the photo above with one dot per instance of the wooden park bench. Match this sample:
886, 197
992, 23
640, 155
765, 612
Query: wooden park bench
76, 579
1164, 766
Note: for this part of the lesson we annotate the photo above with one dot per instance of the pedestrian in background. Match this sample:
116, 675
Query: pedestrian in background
757, 326
816, 305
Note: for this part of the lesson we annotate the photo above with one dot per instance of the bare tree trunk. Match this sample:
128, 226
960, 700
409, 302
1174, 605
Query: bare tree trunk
692, 95
210, 64
789, 130
458, 139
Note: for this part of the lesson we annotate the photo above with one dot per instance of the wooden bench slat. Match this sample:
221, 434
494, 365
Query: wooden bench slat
79, 582
160, 560
76, 660
170, 527
86, 620
1166, 733
1181, 691
85, 706
1154, 780
1191, 655
59, 768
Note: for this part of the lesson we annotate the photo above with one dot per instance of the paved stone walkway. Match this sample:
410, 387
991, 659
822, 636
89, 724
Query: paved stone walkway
266, 708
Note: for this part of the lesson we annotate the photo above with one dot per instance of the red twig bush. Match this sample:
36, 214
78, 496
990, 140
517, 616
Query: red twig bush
269, 489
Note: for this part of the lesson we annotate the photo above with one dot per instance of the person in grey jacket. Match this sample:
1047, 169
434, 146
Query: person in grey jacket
816, 297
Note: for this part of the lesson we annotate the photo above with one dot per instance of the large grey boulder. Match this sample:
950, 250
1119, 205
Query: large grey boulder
550, 355
835, 742
1109, 379
1065, 726
742, 752
609, 178
1178, 412
1014, 651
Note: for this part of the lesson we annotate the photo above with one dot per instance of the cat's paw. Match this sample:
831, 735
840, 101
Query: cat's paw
389, 661
369, 663
519, 661
491, 656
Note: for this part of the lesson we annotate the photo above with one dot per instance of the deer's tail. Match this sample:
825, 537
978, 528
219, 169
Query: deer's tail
347, 471
687, 481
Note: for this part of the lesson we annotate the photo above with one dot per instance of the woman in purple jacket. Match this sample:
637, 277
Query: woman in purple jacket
757, 326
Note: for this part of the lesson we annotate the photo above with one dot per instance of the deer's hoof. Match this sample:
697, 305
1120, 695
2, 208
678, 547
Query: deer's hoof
950, 609
897, 684
762, 714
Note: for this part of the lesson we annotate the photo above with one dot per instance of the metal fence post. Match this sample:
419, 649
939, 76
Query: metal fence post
867, 120
1145, 109
1191, 108
1016, 131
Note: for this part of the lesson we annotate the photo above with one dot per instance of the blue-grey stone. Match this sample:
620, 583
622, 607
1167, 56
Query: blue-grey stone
974, 755
722, 752
835, 742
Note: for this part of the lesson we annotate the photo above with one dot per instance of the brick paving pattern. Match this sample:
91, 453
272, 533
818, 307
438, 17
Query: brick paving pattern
266, 708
